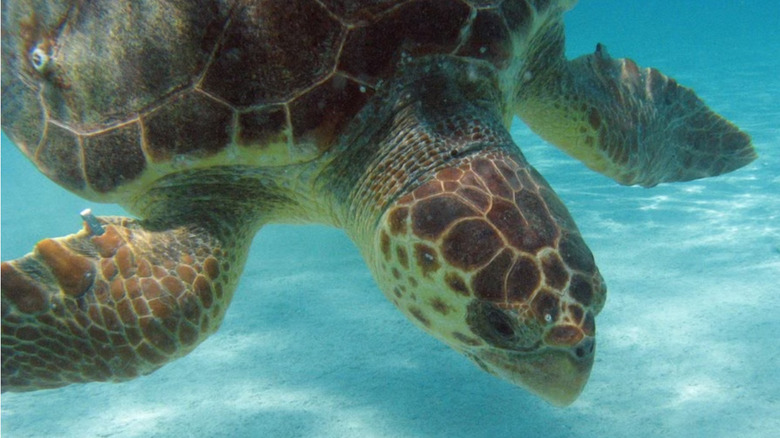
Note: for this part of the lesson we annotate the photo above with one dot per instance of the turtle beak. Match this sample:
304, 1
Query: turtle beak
554, 374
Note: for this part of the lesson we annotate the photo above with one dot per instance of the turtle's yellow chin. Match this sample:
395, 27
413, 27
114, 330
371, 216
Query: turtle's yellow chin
556, 375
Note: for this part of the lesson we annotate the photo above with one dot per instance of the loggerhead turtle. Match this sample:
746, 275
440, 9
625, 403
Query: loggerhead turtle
208, 119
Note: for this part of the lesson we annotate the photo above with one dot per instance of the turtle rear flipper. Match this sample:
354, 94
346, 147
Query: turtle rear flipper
634, 125
112, 302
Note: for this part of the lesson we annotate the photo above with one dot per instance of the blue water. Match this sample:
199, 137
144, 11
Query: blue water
689, 342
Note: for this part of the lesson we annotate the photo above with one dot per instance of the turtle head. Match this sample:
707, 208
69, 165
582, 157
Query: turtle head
464, 236
485, 257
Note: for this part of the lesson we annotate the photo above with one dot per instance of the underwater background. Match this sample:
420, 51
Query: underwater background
688, 342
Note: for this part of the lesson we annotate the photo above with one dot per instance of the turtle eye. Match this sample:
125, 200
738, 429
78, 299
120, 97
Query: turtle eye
492, 324
500, 323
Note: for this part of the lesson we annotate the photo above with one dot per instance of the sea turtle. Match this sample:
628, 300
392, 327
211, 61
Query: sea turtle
208, 119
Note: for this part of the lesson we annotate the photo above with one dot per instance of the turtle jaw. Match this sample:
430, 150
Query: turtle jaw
557, 375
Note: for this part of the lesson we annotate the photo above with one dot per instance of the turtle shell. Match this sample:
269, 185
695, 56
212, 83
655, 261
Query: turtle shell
106, 93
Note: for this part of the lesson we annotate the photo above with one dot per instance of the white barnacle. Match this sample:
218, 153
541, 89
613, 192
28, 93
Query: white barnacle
548, 318
527, 76
39, 58
182, 161
405, 58
473, 74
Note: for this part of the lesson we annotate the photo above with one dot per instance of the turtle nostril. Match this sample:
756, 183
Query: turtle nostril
585, 348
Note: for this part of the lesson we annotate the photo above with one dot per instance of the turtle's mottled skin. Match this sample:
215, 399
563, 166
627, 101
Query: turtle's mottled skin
208, 119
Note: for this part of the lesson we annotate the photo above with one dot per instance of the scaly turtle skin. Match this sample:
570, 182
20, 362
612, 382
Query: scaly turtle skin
208, 119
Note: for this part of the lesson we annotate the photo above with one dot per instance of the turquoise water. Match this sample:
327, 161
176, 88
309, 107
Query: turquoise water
688, 340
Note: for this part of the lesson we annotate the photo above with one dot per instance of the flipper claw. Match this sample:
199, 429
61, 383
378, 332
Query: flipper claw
93, 224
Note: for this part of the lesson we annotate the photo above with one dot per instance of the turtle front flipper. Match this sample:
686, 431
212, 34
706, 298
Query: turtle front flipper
111, 302
634, 125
